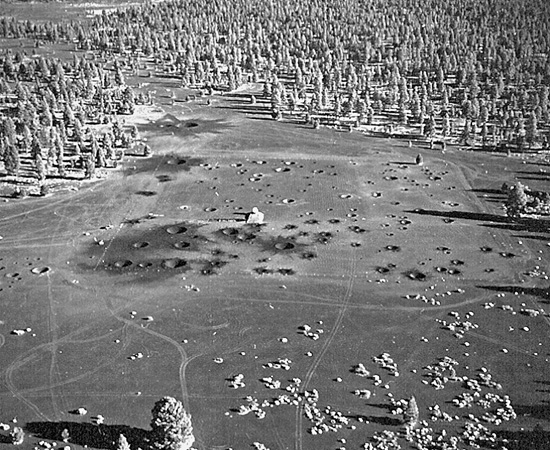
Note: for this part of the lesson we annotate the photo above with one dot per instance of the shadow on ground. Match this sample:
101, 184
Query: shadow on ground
87, 434
537, 439
543, 293
506, 223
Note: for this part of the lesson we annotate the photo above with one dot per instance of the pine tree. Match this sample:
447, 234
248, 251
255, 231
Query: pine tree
89, 167
531, 129
171, 425
411, 413
122, 443
11, 160
40, 168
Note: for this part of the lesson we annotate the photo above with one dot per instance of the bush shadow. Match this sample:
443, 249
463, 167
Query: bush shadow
88, 434
537, 439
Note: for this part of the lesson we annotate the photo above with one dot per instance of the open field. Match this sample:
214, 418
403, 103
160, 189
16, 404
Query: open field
133, 146
359, 243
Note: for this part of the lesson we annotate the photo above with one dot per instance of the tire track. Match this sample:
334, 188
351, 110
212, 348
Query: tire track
9, 383
343, 306
78, 377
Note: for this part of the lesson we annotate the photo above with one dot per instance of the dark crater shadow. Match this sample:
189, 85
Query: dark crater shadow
252, 234
155, 251
415, 275
167, 163
212, 267
324, 237
182, 128
90, 435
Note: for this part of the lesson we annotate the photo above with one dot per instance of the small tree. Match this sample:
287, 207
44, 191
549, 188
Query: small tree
122, 443
17, 436
171, 425
39, 168
65, 435
11, 160
517, 200
531, 129
89, 167
411, 414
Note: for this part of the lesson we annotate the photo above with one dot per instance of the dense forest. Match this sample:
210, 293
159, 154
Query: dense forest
474, 73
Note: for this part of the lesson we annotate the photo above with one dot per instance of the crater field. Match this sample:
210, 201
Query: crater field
372, 279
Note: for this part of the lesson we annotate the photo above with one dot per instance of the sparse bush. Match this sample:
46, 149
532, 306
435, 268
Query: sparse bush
122, 443
17, 436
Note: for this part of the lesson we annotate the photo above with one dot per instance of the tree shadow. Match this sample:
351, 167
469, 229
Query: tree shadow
88, 434
516, 224
543, 293
541, 411
537, 439
536, 237
488, 191
5, 439
384, 420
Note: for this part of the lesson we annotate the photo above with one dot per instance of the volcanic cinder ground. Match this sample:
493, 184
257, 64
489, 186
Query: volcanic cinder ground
149, 283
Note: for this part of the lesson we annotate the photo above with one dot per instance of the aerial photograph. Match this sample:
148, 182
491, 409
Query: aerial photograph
275, 224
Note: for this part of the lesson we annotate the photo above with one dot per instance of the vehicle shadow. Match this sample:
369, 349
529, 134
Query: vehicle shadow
88, 434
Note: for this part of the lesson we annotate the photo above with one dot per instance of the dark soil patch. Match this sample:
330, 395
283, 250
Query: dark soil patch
169, 163
152, 247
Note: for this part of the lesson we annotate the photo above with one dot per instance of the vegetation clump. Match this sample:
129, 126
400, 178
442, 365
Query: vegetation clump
524, 201
171, 425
